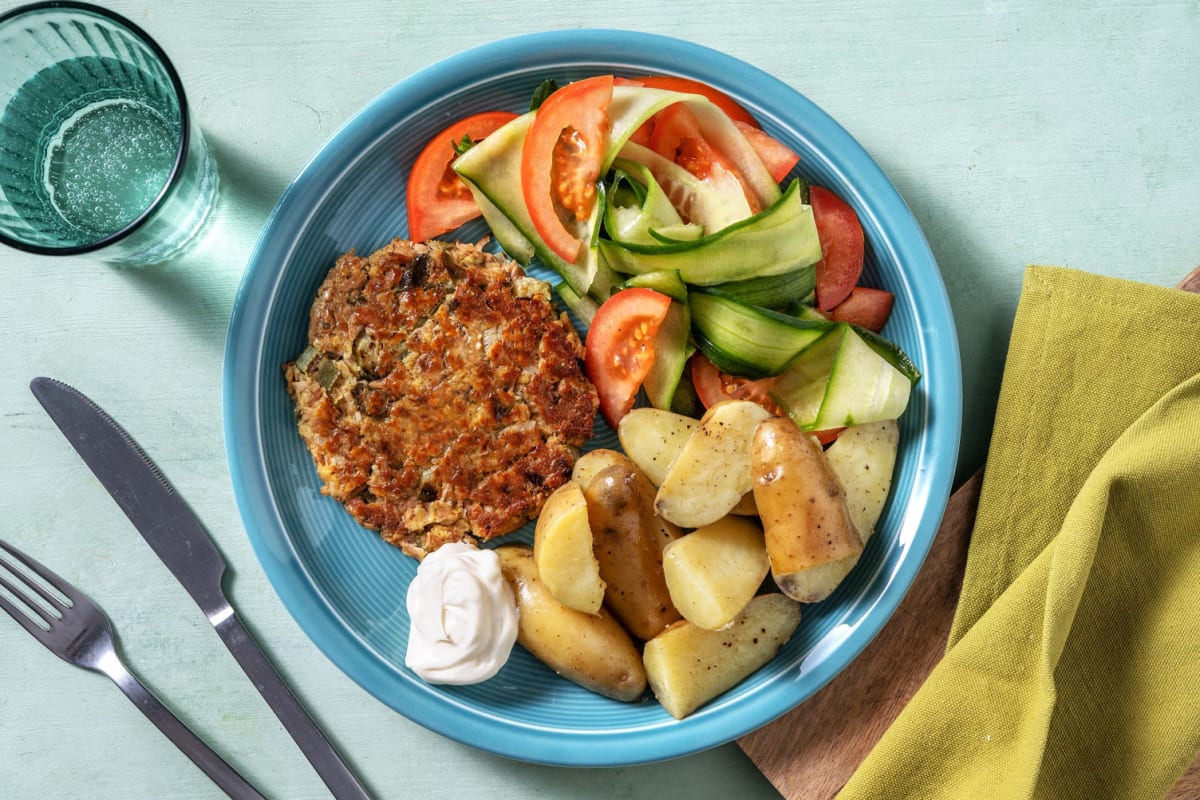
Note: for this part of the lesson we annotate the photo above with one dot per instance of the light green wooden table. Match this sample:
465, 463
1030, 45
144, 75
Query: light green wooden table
1015, 133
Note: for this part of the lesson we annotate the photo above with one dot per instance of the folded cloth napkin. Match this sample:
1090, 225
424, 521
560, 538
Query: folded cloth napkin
1073, 666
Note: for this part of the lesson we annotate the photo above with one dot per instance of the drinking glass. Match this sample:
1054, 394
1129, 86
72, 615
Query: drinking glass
98, 149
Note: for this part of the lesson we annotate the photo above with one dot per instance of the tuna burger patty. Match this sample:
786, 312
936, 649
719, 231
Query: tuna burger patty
441, 395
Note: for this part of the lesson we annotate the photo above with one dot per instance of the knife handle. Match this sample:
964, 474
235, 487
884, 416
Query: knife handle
215, 767
318, 749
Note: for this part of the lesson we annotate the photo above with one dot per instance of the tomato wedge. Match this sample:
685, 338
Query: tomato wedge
619, 350
643, 134
777, 156
865, 306
842, 247
732, 108
712, 386
437, 199
828, 436
561, 160
676, 136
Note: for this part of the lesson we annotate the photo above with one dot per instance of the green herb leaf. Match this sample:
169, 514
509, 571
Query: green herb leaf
327, 374
463, 145
544, 90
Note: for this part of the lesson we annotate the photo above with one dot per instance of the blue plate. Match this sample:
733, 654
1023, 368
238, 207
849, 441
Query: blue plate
346, 588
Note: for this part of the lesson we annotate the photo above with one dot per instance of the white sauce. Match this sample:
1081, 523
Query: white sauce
462, 616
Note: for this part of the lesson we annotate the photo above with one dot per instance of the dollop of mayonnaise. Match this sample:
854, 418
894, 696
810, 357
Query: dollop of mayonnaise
462, 616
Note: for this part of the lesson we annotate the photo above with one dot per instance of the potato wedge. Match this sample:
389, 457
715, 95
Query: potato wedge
814, 584
593, 462
714, 571
811, 540
712, 471
652, 438
863, 459
593, 650
562, 549
628, 540
746, 507
687, 666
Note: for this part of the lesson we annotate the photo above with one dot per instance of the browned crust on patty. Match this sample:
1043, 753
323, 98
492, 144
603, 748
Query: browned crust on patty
441, 395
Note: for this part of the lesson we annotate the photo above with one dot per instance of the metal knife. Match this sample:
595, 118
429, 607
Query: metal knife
175, 533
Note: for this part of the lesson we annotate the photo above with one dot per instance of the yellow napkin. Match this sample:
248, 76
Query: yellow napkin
1073, 667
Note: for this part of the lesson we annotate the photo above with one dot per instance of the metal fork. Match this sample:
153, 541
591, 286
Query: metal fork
77, 630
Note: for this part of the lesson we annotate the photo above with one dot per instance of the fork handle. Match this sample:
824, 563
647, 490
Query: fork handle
192, 746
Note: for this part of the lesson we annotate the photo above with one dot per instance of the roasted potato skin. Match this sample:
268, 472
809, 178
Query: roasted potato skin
806, 523
593, 650
593, 462
629, 539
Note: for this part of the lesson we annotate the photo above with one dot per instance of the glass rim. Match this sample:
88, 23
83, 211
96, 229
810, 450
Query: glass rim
184, 127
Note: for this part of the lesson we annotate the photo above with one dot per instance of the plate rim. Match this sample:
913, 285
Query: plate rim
242, 431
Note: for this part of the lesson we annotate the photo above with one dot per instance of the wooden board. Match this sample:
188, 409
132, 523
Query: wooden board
812, 751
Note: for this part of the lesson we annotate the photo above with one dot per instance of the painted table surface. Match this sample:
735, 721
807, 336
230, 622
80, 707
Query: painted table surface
1016, 133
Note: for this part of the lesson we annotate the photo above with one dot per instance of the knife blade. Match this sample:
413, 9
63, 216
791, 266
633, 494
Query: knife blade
179, 539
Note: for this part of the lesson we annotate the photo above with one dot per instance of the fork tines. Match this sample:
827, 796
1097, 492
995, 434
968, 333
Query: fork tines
40, 608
